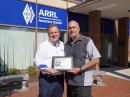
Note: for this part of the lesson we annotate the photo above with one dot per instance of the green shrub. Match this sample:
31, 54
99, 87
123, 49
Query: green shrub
32, 70
13, 71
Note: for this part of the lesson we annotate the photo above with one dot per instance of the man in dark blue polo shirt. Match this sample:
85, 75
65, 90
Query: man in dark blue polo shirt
85, 57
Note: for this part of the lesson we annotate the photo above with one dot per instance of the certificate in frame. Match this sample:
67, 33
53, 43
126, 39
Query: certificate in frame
62, 63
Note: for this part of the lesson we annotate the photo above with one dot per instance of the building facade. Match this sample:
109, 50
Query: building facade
22, 30
109, 27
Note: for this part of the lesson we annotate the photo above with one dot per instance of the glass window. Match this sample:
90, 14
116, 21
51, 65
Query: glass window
17, 46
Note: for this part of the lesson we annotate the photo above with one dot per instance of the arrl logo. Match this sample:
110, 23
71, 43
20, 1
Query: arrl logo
28, 14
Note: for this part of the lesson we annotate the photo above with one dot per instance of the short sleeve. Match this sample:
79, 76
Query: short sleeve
39, 57
92, 51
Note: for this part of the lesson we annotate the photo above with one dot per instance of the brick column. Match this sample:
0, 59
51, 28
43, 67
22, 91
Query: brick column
123, 26
129, 49
115, 44
95, 27
129, 45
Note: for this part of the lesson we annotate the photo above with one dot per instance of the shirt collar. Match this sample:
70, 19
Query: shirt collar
79, 39
54, 44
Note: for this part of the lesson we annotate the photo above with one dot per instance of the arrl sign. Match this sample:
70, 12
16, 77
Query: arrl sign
28, 14
24, 14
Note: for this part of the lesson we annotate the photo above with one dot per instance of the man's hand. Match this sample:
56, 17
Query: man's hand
51, 71
75, 70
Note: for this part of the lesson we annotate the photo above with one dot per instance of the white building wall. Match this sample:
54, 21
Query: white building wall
17, 46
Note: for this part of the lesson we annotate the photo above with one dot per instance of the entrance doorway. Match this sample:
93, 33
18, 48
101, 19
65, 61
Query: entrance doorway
107, 50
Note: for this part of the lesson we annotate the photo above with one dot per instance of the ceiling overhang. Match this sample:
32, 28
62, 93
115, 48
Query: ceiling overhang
112, 9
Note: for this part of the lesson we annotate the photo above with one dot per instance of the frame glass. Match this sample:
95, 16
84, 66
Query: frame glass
62, 63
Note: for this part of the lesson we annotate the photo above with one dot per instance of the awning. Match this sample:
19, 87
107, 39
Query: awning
112, 9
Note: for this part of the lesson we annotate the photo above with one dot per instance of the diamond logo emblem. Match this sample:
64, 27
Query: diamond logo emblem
28, 14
